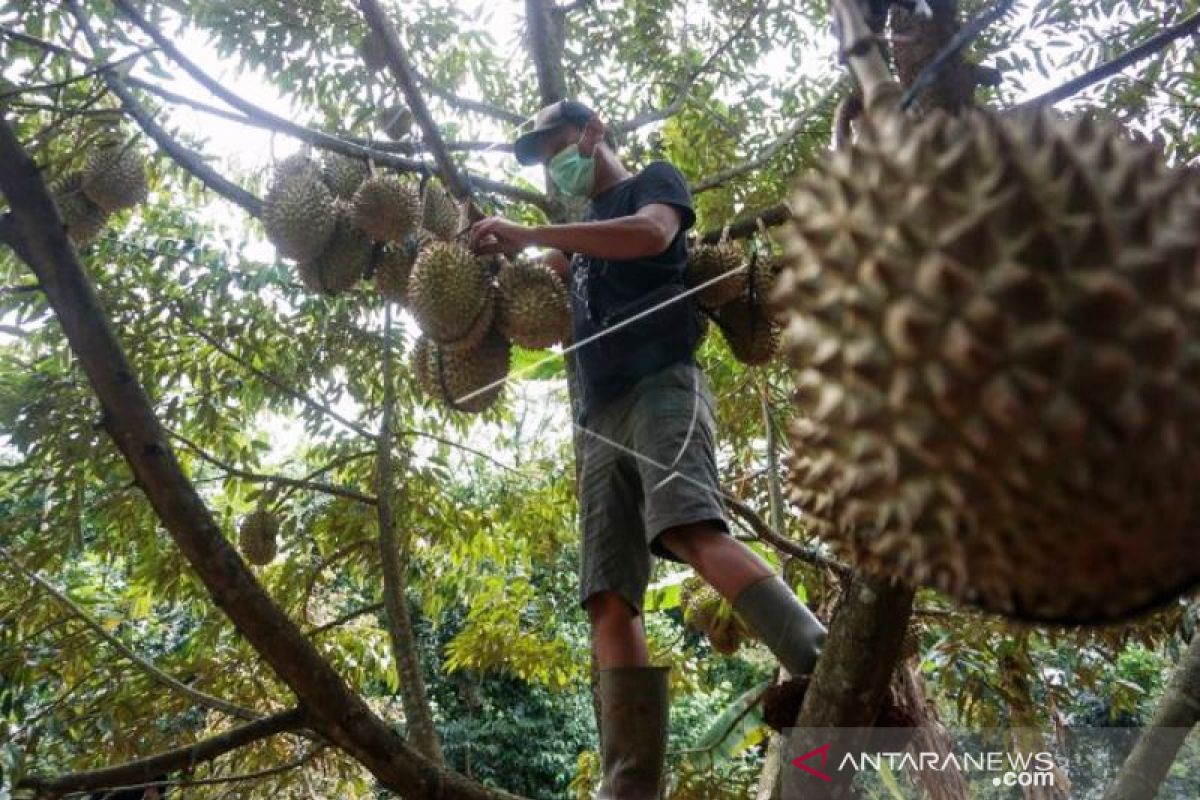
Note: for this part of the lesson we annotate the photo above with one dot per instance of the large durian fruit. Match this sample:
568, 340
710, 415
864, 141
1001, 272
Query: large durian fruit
451, 375
258, 537
395, 263
451, 296
342, 174
343, 262
387, 207
114, 174
439, 213
752, 337
994, 323
83, 218
299, 212
707, 261
532, 307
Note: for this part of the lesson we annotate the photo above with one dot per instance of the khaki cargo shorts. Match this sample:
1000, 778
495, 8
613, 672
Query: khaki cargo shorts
648, 464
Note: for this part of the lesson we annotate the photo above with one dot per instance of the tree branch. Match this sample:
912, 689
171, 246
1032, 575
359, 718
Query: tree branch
544, 22
771, 150
685, 86
335, 709
781, 542
90, 73
402, 71
146, 770
746, 226
1109, 68
393, 557
297, 483
160, 677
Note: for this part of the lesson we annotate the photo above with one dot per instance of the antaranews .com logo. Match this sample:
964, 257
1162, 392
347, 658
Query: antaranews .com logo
994, 764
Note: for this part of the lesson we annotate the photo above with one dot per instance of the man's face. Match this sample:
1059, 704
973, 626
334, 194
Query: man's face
564, 137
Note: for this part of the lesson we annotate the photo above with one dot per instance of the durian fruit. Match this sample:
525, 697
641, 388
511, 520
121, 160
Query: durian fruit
299, 212
996, 329
114, 175
449, 376
342, 174
343, 262
439, 213
396, 121
448, 290
751, 335
762, 275
387, 207
372, 51
707, 612
83, 218
533, 310
707, 261
258, 537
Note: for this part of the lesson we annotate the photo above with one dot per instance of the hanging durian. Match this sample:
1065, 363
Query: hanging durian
448, 290
114, 174
995, 325
372, 51
387, 207
749, 332
342, 174
449, 376
439, 214
396, 121
258, 537
83, 219
343, 262
533, 308
298, 212
707, 261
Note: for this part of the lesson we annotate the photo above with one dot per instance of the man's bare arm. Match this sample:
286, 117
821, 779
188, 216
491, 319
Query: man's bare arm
646, 233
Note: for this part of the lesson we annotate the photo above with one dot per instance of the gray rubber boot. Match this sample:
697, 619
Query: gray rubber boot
634, 710
789, 630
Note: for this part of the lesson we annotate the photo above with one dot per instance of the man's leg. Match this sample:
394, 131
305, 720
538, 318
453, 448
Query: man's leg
617, 631
760, 597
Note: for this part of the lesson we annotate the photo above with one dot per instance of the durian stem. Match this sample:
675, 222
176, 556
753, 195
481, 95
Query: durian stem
880, 90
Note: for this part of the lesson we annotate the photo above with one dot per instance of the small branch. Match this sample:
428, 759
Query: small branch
685, 86
1109, 68
349, 616
146, 770
402, 71
746, 227
781, 542
83, 76
771, 150
467, 104
297, 483
204, 699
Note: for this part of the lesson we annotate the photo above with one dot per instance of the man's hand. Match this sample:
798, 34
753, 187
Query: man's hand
497, 235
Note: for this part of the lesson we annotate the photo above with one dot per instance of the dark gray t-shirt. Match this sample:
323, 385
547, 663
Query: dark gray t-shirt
606, 291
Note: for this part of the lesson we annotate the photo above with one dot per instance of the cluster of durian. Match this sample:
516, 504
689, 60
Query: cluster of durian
340, 223
707, 612
994, 325
470, 312
112, 178
258, 536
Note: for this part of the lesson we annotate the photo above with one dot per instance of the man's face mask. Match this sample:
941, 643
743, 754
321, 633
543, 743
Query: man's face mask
573, 172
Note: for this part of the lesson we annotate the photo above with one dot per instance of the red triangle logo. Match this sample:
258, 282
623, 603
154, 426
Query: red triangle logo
823, 752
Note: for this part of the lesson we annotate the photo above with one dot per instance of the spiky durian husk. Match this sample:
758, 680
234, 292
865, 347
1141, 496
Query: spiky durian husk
344, 260
342, 174
440, 213
478, 329
533, 308
299, 212
392, 271
450, 375
994, 324
372, 51
83, 218
114, 175
258, 537
447, 290
762, 275
707, 612
707, 261
386, 207
748, 331
396, 121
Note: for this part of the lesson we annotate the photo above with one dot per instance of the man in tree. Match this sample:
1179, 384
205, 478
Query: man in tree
648, 474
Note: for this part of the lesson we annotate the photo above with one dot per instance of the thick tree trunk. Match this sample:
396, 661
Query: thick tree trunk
930, 736
1177, 713
38, 237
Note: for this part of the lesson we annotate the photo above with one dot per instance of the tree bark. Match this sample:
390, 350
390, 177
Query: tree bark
335, 709
1177, 713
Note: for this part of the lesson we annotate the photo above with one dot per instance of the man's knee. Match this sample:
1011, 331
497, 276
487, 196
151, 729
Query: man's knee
609, 605
688, 541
